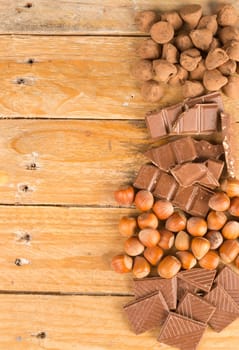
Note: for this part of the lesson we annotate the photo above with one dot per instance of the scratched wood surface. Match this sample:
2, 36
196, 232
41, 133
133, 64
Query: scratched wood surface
71, 132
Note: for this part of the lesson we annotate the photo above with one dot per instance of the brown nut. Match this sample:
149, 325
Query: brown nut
173, 18
144, 200
163, 209
182, 241
219, 201
145, 19
236, 262
169, 267
152, 91
141, 267
122, 263
127, 226
231, 89
176, 222
149, 237
183, 42
187, 259
232, 50
147, 220
228, 33
213, 80
215, 238
125, 196
227, 16
162, 32
190, 58
231, 230
143, 70
192, 88
198, 72
153, 255
234, 206
166, 239
149, 49
229, 250
170, 53
180, 77
200, 246
215, 58
231, 187
191, 14
209, 22
201, 38
133, 246
163, 70
196, 226
210, 261
228, 68
216, 220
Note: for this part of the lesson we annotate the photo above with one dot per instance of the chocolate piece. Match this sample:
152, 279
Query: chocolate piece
166, 186
228, 144
173, 153
192, 306
229, 280
213, 97
181, 332
168, 288
199, 278
226, 308
206, 150
147, 312
215, 167
189, 173
184, 287
147, 177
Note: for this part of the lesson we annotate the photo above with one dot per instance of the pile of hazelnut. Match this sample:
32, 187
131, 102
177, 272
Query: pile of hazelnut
198, 52
163, 239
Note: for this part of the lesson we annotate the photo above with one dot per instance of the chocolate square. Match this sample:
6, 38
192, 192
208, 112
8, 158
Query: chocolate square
229, 280
147, 177
166, 186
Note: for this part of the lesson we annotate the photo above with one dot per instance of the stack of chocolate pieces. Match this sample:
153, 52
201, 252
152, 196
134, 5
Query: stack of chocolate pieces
184, 305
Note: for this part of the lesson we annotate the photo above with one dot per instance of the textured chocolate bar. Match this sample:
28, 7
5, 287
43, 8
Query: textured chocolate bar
189, 173
212, 97
147, 312
184, 287
206, 150
226, 308
198, 277
168, 288
215, 167
229, 280
147, 177
181, 332
166, 186
228, 144
192, 306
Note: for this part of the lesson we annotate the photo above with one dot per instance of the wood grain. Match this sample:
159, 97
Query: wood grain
82, 17
86, 78
81, 322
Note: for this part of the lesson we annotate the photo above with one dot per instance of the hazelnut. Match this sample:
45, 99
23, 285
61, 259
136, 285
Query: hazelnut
192, 89
215, 58
183, 42
125, 196
200, 246
127, 226
197, 73
141, 267
231, 187
163, 209
228, 68
236, 262
147, 220
227, 16
170, 53
122, 263
209, 22
149, 237
234, 206
187, 259
232, 50
210, 261
162, 32
143, 70
190, 58
215, 238
145, 19
196, 226
216, 220
231, 89
144, 200
173, 18
180, 77
149, 49
228, 33
182, 241
163, 70
191, 14
213, 80
231, 230
169, 267
201, 38
229, 250
133, 246
153, 255
176, 222
219, 201
152, 91
166, 239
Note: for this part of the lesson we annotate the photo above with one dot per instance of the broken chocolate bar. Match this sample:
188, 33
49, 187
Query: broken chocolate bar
166, 186
228, 143
199, 278
206, 150
229, 280
147, 177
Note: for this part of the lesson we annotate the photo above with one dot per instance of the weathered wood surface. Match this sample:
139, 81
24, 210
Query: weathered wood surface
82, 17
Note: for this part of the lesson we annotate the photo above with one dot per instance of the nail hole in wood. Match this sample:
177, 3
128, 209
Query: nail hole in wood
31, 61
24, 188
20, 81
32, 166
18, 262
41, 335
28, 5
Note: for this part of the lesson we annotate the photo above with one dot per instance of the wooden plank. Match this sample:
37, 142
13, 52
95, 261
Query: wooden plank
31, 322
80, 17
85, 77
67, 250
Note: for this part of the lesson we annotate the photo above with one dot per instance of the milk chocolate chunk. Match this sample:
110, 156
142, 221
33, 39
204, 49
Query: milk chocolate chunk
147, 177
226, 308
168, 288
166, 186
206, 150
181, 332
199, 278
185, 287
147, 312
215, 167
213, 97
189, 173
229, 280
192, 306
228, 144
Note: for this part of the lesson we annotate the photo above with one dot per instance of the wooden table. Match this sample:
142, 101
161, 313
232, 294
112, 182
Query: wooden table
72, 131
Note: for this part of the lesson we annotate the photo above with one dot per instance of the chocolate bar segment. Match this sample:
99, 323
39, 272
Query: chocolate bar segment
184, 287
147, 177
147, 312
181, 332
189, 173
215, 167
228, 144
198, 277
166, 186
229, 280
168, 288
206, 150
213, 97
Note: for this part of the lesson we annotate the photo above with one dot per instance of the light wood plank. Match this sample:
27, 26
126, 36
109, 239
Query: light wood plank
75, 77
81, 17
80, 322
